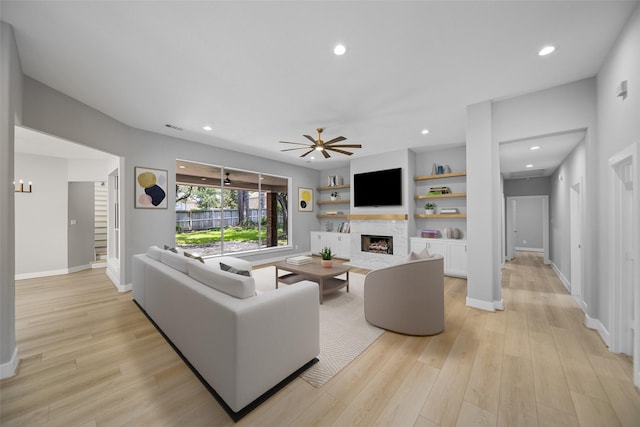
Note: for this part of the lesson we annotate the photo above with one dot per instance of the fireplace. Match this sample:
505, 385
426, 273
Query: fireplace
376, 244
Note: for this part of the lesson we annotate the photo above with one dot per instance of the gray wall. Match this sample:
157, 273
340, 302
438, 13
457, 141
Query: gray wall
539, 186
529, 223
52, 112
80, 238
10, 115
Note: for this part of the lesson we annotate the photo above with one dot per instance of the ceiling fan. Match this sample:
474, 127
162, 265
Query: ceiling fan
323, 146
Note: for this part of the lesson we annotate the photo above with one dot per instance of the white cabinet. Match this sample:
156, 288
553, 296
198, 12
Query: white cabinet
453, 251
340, 243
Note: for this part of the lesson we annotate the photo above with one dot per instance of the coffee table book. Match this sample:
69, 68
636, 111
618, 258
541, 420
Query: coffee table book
299, 260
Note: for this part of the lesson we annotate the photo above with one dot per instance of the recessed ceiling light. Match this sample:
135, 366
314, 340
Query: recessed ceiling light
425, 131
529, 166
535, 147
312, 158
204, 179
546, 50
182, 166
207, 128
339, 49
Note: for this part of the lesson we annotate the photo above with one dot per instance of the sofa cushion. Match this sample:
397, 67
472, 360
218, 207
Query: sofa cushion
154, 252
169, 248
231, 284
424, 254
175, 261
225, 267
234, 262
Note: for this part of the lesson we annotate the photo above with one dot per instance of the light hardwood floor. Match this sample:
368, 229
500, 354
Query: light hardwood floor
90, 357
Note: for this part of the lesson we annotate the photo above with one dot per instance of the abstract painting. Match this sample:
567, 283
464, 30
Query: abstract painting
150, 188
305, 199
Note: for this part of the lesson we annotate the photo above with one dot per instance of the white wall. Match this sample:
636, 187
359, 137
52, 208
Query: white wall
618, 127
571, 171
538, 186
94, 170
41, 216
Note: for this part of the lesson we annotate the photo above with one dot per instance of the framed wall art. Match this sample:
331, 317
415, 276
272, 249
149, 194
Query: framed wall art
150, 188
305, 199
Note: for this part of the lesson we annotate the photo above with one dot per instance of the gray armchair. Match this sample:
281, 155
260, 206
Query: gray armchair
407, 298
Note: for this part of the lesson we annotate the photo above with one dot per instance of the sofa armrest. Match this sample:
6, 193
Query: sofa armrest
277, 333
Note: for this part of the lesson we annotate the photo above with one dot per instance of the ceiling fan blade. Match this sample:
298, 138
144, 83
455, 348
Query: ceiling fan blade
297, 143
300, 148
338, 151
308, 152
338, 139
347, 146
325, 153
310, 138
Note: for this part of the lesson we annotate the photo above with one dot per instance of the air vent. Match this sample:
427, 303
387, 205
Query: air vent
527, 173
173, 127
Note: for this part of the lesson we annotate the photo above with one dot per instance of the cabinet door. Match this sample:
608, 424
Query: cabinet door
316, 243
457, 259
440, 248
344, 246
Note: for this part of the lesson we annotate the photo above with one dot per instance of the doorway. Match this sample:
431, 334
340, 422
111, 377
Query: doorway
623, 253
527, 225
575, 214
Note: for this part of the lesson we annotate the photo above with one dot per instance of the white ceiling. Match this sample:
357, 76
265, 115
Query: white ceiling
260, 72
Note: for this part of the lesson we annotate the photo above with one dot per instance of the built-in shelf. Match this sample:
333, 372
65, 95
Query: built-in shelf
333, 187
439, 196
439, 176
458, 215
333, 202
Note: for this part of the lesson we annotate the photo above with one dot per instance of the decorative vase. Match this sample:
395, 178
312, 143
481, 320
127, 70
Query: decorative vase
326, 263
448, 232
333, 197
429, 211
457, 234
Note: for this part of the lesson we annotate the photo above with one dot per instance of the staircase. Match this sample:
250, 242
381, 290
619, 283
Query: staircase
100, 224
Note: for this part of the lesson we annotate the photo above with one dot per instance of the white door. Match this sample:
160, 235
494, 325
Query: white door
576, 241
624, 237
512, 231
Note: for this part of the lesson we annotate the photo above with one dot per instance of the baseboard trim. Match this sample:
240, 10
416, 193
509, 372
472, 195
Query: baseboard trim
499, 305
597, 325
124, 288
480, 304
60, 272
9, 369
560, 276
519, 248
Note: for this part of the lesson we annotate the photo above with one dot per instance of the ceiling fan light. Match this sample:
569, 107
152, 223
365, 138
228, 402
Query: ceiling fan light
319, 148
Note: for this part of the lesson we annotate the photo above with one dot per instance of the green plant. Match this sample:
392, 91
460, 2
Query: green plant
326, 253
335, 194
430, 205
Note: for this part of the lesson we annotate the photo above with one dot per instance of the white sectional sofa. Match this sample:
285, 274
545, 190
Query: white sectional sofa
240, 343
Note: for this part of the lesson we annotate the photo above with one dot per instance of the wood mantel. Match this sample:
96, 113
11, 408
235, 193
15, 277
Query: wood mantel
378, 216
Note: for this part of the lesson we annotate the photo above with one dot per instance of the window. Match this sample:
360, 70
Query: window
221, 210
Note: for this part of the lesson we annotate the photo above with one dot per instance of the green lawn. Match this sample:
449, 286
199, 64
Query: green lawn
230, 234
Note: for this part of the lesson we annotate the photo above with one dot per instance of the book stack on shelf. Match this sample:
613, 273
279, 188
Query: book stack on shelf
333, 213
299, 260
430, 234
335, 180
344, 227
438, 191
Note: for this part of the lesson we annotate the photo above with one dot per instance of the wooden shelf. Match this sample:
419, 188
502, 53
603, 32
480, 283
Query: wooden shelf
458, 215
344, 216
378, 216
333, 187
440, 176
333, 202
439, 196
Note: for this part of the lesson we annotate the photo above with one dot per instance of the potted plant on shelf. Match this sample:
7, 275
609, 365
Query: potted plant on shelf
327, 257
335, 195
429, 208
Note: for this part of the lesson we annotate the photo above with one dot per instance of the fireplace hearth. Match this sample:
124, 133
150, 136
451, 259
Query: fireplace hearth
376, 244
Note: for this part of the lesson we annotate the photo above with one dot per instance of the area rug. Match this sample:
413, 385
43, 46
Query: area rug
344, 332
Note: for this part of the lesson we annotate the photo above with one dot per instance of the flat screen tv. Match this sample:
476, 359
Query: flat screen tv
378, 188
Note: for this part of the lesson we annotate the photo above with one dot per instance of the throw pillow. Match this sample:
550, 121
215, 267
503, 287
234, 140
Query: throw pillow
169, 248
192, 256
230, 269
424, 254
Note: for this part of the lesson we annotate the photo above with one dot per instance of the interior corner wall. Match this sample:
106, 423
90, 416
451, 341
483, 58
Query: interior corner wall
54, 113
484, 201
618, 128
11, 81
41, 216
